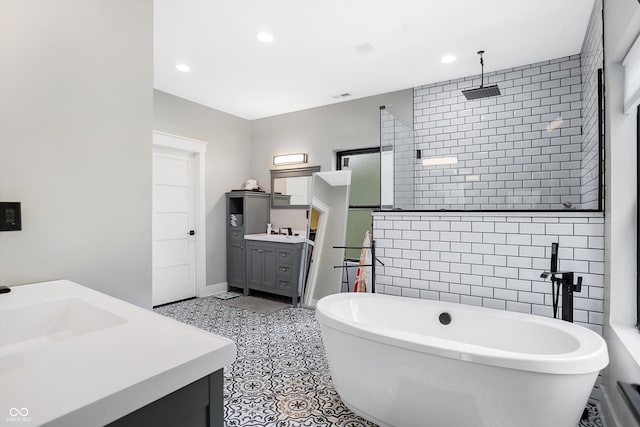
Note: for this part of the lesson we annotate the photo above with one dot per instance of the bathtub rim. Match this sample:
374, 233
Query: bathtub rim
580, 361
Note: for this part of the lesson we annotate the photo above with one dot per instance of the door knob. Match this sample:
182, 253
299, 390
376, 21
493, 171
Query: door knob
192, 232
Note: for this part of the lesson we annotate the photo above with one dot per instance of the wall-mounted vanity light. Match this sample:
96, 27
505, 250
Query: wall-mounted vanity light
289, 159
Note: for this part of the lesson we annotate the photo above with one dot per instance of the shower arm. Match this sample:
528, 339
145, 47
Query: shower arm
481, 52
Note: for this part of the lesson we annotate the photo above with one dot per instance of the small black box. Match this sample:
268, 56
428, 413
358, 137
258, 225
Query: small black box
10, 216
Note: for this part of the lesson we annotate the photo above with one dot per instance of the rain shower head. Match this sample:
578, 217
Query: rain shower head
482, 91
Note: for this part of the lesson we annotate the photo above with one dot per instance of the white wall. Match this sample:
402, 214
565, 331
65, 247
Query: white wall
227, 163
320, 132
76, 83
621, 26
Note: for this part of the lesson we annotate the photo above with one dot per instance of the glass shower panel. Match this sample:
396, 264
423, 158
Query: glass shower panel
535, 147
358, 222
397, 163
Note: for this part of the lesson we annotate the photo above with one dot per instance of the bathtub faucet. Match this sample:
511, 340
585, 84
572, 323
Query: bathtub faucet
562, 280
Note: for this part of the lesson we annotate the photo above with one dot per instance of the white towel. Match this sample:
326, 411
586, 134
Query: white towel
363, 276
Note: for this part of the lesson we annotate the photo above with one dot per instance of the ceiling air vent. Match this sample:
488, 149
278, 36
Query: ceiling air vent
342, 95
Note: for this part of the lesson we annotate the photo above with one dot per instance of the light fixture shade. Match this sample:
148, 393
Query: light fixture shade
290, 159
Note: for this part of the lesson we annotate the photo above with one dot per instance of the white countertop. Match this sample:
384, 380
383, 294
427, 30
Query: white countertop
279, 238
122, 358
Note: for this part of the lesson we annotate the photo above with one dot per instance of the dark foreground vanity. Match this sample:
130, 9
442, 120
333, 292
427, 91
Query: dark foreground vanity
199, 404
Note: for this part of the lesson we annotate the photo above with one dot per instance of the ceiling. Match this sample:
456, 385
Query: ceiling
324, 48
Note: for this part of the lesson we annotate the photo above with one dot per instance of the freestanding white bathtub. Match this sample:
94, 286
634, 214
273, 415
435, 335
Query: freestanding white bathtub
393, 362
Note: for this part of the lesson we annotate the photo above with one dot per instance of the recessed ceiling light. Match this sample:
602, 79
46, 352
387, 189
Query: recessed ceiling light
265, 37
183, 67
448, 59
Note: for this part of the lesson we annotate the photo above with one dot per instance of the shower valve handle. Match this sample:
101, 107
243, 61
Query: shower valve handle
578, 286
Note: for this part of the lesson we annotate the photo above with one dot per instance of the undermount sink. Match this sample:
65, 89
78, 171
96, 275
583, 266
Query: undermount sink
38, 325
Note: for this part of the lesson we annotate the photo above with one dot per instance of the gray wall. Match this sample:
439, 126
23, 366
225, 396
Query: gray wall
321, 132
227, 163
75, 143
621, 26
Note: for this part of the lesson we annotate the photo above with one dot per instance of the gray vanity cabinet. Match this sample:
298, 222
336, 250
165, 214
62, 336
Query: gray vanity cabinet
274, 267
236, 262
247, 213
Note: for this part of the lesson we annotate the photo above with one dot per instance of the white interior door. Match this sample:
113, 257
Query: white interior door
174, 242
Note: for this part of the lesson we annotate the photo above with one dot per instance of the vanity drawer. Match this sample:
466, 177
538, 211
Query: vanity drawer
236, 234
285, 272
285, 285
284, 255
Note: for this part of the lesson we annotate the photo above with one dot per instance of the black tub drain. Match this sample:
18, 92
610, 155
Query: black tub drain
444, 318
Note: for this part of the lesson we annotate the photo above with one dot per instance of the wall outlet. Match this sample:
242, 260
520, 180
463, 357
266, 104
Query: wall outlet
10, 216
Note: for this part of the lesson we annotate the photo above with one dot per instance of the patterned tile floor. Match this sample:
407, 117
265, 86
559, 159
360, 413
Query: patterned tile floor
280, 377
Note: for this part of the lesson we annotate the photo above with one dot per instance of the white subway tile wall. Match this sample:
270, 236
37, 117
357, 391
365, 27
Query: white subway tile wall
519, 150
491, 260
591, 58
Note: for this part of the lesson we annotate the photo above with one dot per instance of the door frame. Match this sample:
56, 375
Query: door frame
198, 149
310, 287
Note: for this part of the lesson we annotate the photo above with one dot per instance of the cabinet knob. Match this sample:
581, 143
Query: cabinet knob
283, 268
284, 255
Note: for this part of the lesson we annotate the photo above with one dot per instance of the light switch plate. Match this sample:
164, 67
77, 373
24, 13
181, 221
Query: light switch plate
10, 216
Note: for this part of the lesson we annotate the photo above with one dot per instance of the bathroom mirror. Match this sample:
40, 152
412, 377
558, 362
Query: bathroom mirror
327, 228
291, 188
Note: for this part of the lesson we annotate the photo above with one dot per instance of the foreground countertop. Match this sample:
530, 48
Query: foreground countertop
84, 378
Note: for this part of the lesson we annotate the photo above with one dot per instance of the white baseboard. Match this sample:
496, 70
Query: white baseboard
214, 289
